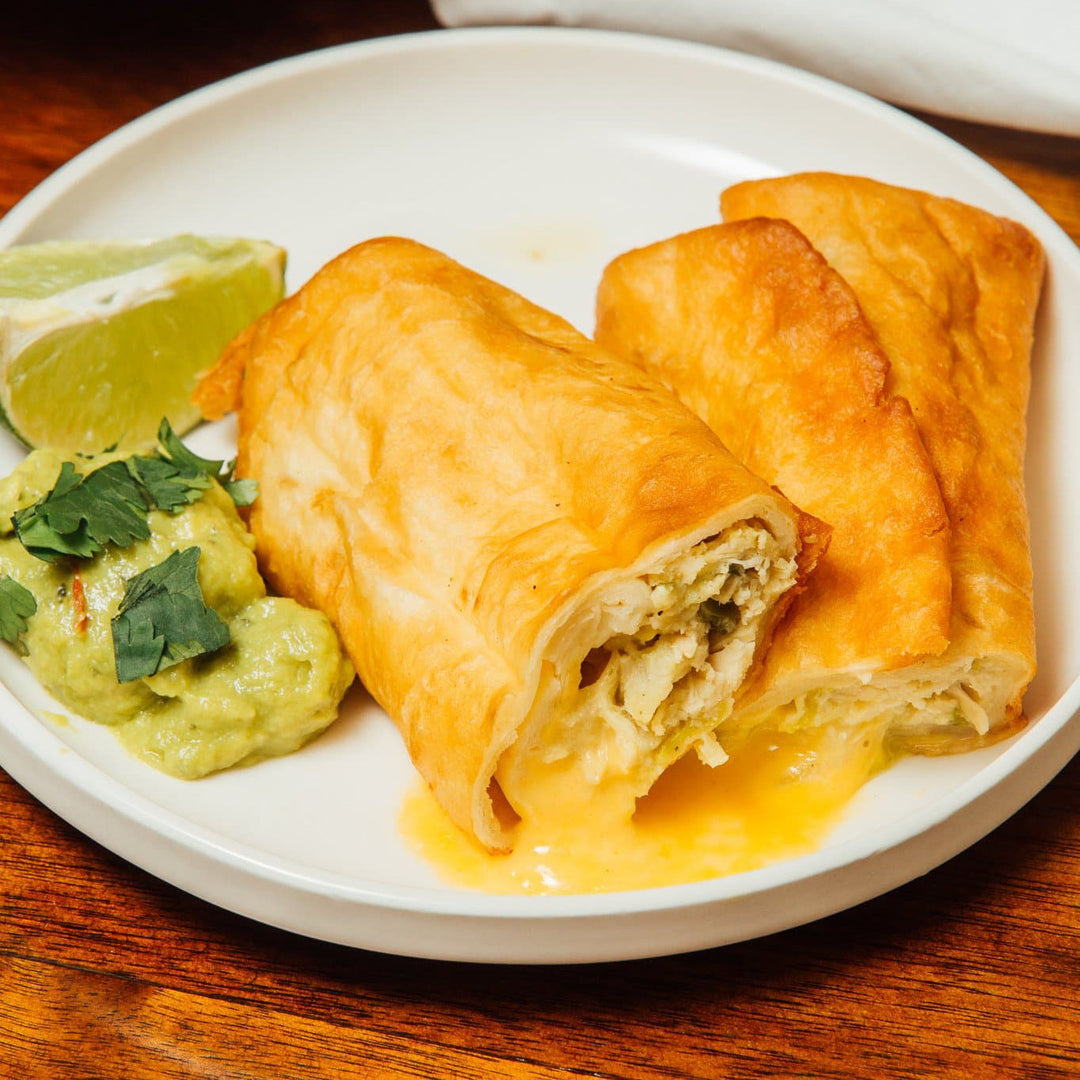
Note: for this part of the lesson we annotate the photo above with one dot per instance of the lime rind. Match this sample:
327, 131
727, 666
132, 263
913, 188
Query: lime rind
103, 357
47, 269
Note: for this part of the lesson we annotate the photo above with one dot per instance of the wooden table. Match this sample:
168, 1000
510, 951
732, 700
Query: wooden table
108, 973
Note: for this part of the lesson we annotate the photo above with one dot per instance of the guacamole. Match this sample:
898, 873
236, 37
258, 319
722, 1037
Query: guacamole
274, 686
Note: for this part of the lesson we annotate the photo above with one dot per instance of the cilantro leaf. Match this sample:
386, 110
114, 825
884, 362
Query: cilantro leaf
242, 492
163, 618
110, 503
17, 604
176, 452
137, 649
84, 513
168, 487
189, 464
81, 514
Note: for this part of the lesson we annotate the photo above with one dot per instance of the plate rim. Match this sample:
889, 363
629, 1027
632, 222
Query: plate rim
111, 795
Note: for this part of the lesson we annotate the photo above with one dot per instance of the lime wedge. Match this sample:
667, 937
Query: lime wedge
99, 341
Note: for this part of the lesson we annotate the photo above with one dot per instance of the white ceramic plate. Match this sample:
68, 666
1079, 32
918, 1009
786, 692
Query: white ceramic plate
532, 156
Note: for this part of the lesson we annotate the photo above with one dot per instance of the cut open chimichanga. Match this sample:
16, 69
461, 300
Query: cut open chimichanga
535, 555
951, 291
918, 624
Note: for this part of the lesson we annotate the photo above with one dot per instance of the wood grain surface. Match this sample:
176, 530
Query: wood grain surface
105, 972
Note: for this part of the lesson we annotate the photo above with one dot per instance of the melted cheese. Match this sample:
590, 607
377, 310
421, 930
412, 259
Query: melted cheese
777, 797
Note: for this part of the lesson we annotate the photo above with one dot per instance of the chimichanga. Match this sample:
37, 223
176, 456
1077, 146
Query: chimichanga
951, 292
754, 330
767, 344
533, 552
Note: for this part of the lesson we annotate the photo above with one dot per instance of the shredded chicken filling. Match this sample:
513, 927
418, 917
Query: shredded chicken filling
944, 709
658, 665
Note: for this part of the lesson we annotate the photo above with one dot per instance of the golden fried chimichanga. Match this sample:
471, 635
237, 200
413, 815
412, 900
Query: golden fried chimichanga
951, 292
753, 330
533, 552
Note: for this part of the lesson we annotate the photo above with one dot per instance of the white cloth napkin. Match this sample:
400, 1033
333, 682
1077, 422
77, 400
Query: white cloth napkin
1015, 63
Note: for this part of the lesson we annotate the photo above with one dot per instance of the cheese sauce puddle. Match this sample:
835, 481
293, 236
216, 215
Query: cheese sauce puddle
776, 798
